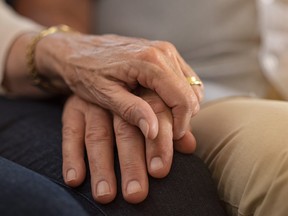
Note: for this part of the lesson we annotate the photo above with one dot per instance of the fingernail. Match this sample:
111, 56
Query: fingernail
133, 187
144, 127
103, 188
71, 175
156, 163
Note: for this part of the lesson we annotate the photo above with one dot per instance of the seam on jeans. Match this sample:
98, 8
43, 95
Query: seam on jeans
80, 194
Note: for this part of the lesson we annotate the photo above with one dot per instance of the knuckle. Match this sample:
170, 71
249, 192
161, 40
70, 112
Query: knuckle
96, 162
193, 100
129, 111
168, 48
66, 157
69, 132
151, 54
157, 51
195, 107
190, 103
124, 131
167, 45
94, 135
131, 167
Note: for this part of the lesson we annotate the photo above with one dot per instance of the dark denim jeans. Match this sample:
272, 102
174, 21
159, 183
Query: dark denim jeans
31, 180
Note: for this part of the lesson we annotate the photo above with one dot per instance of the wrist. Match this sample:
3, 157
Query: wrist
16, 80
17, 76
43, 65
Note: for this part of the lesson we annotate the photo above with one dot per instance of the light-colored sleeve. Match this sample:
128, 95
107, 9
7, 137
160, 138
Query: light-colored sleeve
273, 19
11, 26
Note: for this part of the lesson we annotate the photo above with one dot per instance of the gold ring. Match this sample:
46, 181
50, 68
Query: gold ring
193, 81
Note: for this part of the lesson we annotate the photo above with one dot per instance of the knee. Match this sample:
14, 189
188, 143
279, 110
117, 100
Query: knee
265, 189
245, 144
235, 123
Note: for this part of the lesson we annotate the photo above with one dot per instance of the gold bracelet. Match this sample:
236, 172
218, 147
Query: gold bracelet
37, 79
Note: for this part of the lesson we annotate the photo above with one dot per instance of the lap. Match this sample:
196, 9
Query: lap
244, 142
31, 136
21, 188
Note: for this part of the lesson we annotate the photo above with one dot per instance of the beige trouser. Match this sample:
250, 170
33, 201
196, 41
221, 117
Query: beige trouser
245, 144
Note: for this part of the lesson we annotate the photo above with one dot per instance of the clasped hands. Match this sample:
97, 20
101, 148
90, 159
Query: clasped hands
130, 89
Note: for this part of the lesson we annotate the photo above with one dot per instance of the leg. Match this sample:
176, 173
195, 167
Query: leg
187, 190
245, 144
21, 188
30, 134
32, 137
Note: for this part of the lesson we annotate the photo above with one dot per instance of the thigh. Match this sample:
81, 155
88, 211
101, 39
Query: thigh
24, 192
244, 142
30, 135
187, 190
32, 138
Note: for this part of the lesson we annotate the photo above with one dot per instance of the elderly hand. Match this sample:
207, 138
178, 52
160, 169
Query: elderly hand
105, 70
90, 127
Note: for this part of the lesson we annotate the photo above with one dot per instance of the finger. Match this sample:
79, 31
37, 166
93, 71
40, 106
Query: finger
188, 72
159, 152
74, 170
99, 146
173, 90
199, 93
162, 145
127, 105
187, 144
136, 111
131, 152
174, 60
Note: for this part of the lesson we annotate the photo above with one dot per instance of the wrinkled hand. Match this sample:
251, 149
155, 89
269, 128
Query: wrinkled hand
89, 127
105, 70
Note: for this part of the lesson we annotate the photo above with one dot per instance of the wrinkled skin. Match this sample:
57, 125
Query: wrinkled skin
90, 128
121, 85
105, 70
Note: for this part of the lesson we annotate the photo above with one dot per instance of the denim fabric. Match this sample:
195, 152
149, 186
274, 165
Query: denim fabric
24, 192
30, 142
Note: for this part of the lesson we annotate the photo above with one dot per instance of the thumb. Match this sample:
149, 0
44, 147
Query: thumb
136, 111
